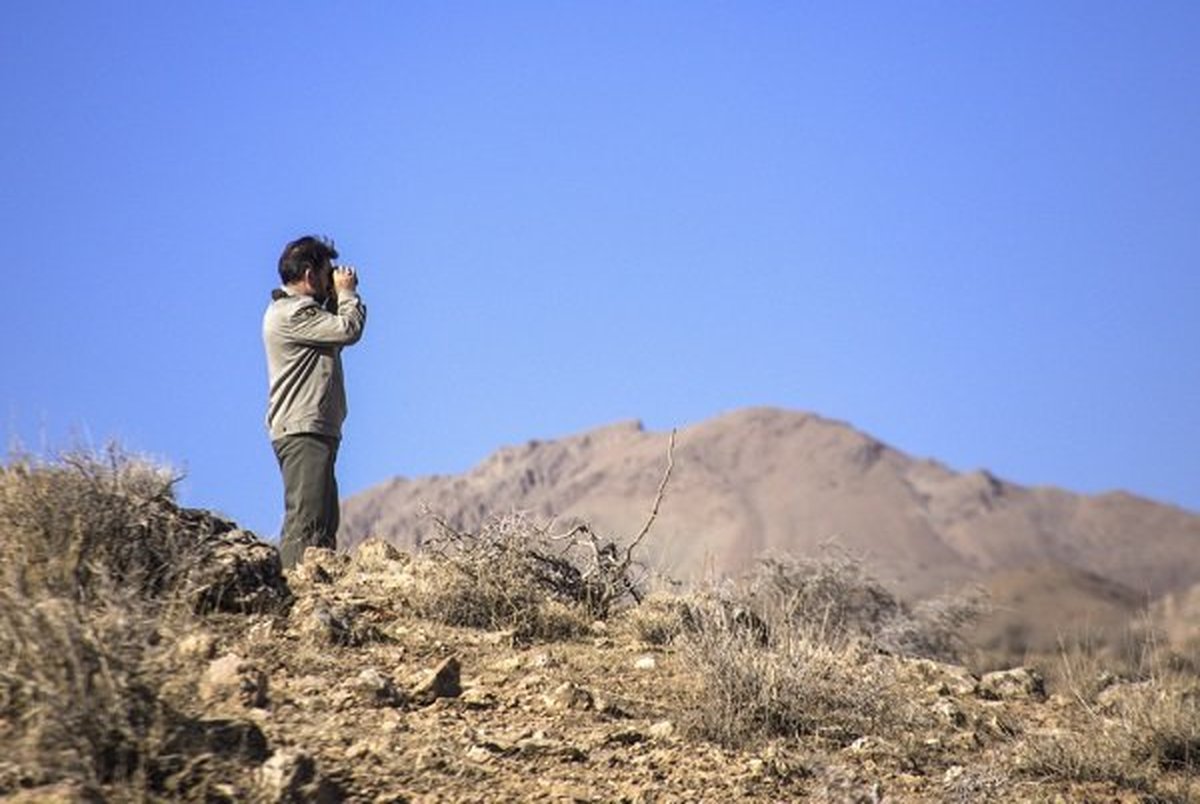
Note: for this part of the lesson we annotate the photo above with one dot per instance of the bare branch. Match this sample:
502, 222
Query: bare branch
662, 487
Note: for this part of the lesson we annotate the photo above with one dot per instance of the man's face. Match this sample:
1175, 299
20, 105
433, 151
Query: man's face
322, 282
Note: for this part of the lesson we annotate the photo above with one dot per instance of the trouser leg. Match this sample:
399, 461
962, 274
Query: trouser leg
310, 495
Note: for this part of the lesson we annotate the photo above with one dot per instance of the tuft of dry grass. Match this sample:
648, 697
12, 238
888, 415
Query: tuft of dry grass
833, 592
795, 649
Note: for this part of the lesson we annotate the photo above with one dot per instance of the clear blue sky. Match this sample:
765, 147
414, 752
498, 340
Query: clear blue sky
970, 229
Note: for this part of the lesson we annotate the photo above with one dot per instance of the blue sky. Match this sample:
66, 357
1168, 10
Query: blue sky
969, 229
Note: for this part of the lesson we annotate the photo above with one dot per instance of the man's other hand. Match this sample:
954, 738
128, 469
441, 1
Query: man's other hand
345, 278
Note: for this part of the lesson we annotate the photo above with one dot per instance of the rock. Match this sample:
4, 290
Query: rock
662, 730
444, 681
376, 689
569, 696
949, 713
645, 663
200, 645
232, 679
945, 679
237, 572
376, 554
1015, 684
478, 699
290, 777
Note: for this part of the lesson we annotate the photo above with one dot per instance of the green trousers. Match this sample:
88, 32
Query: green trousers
310, 494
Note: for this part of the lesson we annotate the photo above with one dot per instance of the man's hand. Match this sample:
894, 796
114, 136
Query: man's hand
345, 278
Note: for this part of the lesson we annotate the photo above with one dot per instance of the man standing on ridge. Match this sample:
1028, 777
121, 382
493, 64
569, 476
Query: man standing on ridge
311, 318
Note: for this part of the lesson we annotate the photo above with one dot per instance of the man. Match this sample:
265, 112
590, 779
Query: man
311, 318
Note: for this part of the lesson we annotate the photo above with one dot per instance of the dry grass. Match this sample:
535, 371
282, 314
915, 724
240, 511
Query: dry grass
795, 649
1142, 735
798, 683
93, 569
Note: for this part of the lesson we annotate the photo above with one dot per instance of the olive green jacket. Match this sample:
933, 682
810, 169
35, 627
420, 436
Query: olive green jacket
304, 361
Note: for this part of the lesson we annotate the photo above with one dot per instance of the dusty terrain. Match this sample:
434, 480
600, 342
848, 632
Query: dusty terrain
154, 653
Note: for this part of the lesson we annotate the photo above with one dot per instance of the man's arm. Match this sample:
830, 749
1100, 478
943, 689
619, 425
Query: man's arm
313, 325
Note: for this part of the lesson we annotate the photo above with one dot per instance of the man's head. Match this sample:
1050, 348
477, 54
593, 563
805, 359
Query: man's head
308, 262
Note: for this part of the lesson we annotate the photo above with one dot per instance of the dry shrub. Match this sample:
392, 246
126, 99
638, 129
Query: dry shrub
72, 526
76, 688
1128, 734
833, 592
794, 648
514, 574
1102, 754
658, 619
787, 652
92, 568
793, 682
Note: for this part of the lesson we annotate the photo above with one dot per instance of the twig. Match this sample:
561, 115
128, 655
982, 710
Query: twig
662, 487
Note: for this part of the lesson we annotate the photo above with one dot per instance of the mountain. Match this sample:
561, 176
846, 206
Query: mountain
764, 480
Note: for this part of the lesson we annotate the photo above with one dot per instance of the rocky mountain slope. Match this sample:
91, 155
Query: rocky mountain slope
156, 653
761, 481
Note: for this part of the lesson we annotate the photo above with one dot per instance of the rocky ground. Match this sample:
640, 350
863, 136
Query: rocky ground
341, 681
359, 700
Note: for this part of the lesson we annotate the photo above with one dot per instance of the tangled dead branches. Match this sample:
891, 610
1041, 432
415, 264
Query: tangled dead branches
578, 568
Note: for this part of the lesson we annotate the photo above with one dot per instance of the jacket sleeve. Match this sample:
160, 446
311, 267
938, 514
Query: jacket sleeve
315, 326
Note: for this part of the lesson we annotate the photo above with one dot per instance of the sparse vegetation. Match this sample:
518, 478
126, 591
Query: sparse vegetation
1127, 733
806, 678
515, 574
99, 570
794, 649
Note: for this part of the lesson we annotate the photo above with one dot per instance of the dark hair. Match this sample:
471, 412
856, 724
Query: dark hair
303, 254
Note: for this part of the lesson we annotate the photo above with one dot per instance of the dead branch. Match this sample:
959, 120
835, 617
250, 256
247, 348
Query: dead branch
662, 488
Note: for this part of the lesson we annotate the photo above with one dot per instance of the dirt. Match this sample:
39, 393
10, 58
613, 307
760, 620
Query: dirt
349, 682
